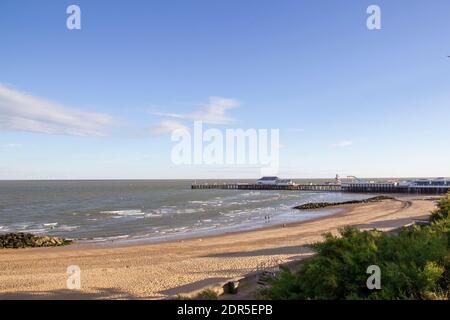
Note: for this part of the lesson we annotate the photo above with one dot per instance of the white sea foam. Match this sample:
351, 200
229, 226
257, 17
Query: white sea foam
156, 213
125, 236
251, 193
125, 212
36, 230
21, 226
111, 238
213, 202
50, 225
67, 228
153, 215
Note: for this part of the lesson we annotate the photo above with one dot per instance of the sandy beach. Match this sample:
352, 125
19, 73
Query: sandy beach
160, 270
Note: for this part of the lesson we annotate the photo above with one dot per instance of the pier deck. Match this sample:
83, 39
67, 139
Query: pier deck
356, 188
248, 186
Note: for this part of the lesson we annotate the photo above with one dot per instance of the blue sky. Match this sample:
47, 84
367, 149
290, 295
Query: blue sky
94, 103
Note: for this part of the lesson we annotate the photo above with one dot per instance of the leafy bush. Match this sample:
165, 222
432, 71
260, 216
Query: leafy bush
415, 264
443, 209
207, 294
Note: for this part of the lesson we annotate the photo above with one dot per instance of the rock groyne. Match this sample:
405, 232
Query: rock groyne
26, 240
321, 205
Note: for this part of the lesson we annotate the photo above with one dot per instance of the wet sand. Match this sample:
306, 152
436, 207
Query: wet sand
160, 270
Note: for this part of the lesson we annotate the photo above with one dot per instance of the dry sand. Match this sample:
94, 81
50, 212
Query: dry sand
152, 271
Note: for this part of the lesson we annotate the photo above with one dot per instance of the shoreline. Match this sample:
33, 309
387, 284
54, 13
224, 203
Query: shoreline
278, 210
118, 241
343, 208
197, 235
164, 269
180, 238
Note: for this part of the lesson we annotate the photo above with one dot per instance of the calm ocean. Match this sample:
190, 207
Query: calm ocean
146, 209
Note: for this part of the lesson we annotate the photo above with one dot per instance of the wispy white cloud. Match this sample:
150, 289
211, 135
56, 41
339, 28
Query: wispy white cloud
213, 113
166, 126
21, 111
13, 145
343, 143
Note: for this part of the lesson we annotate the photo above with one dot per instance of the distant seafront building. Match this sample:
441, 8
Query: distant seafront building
438, 182
274, 181
417, 186
267, 181
285, 182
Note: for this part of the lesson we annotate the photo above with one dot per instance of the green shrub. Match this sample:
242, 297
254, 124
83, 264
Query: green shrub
207, 294
443, 209
415, 264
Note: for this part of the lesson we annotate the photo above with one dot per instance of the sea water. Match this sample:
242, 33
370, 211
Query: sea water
148, 209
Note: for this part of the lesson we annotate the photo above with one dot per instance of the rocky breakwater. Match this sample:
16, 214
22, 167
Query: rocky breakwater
321, 205
25, 240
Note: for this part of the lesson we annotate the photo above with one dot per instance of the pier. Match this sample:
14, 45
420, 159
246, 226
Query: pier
345, 187
249, 186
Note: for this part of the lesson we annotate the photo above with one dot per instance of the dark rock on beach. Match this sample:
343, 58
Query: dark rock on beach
25, 240
320, 205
